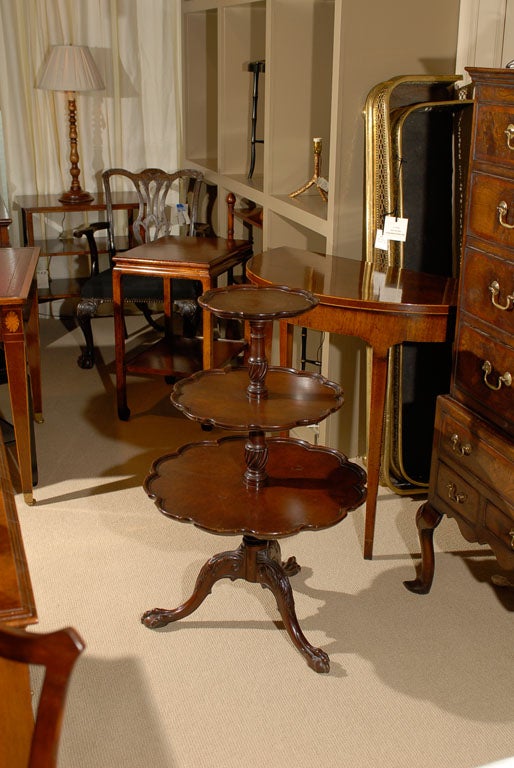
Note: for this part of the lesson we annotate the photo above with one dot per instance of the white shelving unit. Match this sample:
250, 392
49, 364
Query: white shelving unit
322, 57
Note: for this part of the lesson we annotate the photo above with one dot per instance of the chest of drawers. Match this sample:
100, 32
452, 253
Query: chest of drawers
472, 469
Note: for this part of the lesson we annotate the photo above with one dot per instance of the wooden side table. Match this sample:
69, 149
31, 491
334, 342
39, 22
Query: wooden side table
262, 488
355, 299
19, 332
46, 205
197, 258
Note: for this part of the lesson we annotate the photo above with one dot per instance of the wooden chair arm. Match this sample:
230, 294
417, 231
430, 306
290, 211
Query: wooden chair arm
88, 231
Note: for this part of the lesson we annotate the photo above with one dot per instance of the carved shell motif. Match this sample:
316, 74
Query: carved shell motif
12, 322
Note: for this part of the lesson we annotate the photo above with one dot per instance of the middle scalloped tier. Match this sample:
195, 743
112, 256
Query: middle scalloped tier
294, 398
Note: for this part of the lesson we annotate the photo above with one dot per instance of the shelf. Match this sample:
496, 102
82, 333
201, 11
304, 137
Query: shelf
73, 264
251, 216
308, 488
77, 246
181, 357
201, 86
61, 288
293, 399
322, 58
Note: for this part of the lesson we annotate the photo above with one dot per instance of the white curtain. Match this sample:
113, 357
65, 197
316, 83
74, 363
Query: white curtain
134, 123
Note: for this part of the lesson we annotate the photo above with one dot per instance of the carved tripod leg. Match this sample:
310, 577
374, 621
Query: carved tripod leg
225, 564
271, 573
427, 520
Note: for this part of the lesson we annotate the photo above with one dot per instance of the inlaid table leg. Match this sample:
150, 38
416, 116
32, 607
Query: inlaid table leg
379, 368
18, 381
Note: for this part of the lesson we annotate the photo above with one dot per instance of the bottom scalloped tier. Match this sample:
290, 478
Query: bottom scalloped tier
307, 487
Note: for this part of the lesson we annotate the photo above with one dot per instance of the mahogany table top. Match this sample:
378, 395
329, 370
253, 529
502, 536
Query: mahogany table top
308, 488
342, 282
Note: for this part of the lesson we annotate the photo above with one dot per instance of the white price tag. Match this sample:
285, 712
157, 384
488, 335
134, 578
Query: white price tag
182, 214
381, 242
322, 184
395, 228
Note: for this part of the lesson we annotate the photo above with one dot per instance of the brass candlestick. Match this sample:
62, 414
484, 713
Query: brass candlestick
314, 181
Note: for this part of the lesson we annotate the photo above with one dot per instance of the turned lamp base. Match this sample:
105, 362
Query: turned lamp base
74, 197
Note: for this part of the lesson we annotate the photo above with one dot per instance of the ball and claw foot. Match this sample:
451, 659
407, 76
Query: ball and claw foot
155, 619
318, 660
86, 361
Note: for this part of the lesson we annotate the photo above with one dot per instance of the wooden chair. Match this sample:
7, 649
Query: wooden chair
57, 652
158, 193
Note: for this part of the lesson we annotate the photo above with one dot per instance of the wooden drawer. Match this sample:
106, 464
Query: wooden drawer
499, 523
456, 496
487, 289
472, 478
495, 134
481, 518
491, 397
472, 447
487, 194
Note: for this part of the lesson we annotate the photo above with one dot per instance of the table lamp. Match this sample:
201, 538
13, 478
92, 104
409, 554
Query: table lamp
71, 68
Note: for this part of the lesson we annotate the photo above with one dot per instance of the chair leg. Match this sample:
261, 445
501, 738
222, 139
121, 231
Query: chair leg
143, 307
86, 310
191, 314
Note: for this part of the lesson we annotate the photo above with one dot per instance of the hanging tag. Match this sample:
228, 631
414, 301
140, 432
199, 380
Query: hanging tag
395, 228
378, 284
182, 214
322, 183
381, 241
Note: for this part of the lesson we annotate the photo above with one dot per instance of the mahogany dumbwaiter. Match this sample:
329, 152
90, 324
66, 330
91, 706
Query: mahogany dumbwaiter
259, 487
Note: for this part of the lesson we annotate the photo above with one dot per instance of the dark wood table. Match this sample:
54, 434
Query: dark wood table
263, 488
196, 258
77, 249
383, 309
19, 333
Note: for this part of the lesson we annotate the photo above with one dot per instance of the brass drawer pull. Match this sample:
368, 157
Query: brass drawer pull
506, 379
453, 495
511, 534
494, 289
458, 447
509, 132
503, 209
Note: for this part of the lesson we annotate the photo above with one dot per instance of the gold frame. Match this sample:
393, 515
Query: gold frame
387, 106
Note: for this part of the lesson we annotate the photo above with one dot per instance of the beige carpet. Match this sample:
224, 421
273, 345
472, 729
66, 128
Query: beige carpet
424, 681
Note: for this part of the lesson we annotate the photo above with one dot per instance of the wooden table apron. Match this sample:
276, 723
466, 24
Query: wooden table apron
381, 324
20, 337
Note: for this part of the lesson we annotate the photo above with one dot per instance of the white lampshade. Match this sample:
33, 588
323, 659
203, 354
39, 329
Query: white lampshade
70, 68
